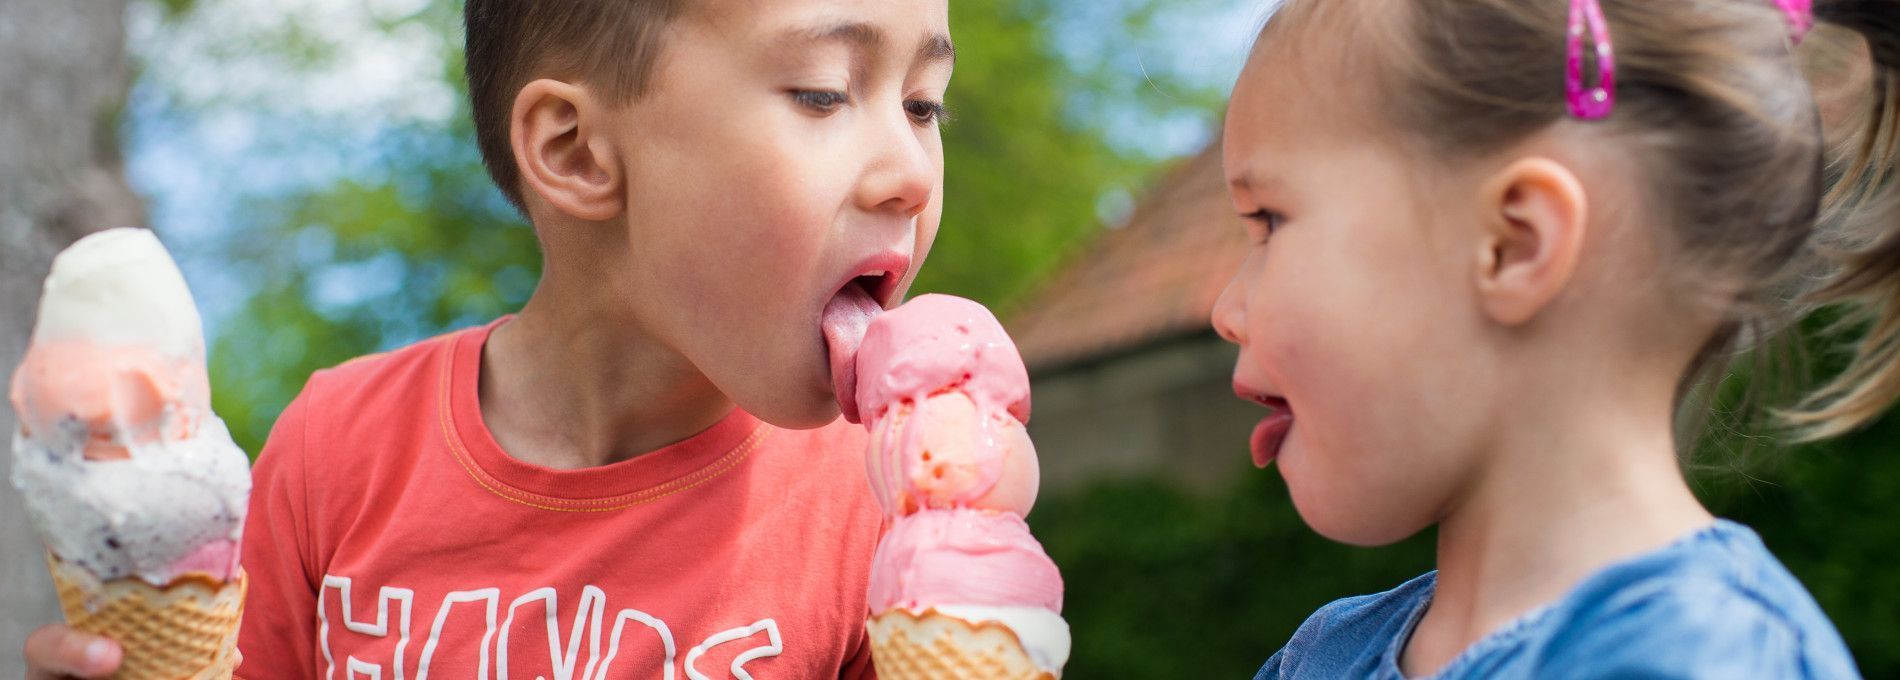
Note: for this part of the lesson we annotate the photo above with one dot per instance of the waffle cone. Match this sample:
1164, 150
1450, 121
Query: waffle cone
935, 646
184, 630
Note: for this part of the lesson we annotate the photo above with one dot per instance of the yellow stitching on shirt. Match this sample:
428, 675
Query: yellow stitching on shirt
731, 460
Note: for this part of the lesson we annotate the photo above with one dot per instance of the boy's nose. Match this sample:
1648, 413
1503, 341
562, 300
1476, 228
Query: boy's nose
902, 177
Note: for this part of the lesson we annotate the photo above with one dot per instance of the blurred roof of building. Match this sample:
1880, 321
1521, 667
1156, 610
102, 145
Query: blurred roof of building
1153, 278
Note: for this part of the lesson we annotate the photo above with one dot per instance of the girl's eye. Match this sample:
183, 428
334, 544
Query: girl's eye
821, 101
925, 111
1267, 219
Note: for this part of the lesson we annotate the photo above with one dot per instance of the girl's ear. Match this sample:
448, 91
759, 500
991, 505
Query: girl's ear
1535, 216
555, 130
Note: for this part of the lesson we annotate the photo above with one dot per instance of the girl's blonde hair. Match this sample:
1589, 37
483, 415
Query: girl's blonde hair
1714, 112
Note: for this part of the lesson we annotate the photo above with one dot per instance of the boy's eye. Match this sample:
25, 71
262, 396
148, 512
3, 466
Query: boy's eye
821, 101
926, 111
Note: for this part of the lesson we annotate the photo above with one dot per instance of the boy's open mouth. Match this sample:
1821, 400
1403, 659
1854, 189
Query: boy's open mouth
860, 299
1271, 433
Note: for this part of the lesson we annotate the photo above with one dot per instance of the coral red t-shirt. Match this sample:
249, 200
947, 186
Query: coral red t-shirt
390, 537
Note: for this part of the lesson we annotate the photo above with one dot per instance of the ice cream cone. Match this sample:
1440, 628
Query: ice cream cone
935, 646
186, 629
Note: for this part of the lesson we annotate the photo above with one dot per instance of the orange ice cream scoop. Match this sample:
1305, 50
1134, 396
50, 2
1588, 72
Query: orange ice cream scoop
107, 398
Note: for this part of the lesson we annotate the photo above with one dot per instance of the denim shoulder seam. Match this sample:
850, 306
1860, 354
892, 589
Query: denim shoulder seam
1512, 633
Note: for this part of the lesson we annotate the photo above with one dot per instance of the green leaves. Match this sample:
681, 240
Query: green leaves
1024, 170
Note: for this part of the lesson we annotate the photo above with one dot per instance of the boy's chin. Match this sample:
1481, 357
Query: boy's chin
809, 412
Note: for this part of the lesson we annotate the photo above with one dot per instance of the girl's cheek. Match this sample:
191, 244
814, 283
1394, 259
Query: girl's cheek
1275, 325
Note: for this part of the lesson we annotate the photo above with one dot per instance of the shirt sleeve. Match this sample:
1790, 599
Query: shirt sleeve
1677, 629
277, 634
1271, 669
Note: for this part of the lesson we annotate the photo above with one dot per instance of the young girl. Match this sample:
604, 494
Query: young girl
1495, 244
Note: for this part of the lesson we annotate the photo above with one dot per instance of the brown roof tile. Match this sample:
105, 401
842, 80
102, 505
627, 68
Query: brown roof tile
1155, 277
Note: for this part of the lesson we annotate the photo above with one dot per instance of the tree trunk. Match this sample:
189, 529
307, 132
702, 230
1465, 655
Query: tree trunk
62, 67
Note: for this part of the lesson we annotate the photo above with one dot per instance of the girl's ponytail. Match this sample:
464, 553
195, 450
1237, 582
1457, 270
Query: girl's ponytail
1863, 211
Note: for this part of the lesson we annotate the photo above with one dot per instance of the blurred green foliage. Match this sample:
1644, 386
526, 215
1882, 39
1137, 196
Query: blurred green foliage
1162, 583
1023, 170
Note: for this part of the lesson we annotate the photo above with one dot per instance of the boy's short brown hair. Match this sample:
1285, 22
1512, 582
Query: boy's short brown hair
611, 45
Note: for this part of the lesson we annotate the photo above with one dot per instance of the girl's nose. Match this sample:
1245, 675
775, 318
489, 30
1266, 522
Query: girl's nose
1230, 312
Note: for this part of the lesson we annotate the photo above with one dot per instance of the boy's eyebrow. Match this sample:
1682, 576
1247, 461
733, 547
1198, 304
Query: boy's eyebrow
854, 33
938, 48
866, 37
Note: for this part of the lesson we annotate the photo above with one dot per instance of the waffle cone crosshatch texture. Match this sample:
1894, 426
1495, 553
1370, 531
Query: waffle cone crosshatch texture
936, 646
184, 630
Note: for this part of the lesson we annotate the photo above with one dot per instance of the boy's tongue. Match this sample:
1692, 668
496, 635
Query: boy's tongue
845, 319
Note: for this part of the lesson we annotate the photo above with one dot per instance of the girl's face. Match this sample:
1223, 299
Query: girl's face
1354, 311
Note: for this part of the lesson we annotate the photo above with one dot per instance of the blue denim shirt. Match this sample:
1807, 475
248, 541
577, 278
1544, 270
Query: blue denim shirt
1714, 604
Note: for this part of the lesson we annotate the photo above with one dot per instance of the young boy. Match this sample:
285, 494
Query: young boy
622, 477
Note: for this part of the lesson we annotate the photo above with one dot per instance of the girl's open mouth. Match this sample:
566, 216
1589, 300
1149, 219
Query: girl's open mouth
1271, 433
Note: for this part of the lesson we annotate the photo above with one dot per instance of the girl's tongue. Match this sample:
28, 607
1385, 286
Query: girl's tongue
1271, 433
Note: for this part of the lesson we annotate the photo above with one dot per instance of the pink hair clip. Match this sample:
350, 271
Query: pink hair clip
1800, 17
1590, 103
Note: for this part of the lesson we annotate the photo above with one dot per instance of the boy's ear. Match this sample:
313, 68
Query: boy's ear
1535, 216
556, 131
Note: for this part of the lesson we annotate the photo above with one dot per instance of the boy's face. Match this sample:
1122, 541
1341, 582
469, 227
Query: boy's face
784, 152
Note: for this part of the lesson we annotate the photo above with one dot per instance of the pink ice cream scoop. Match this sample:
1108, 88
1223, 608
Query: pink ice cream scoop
946, 396
945, 452
962, 557
935, 343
